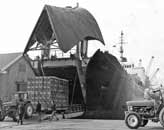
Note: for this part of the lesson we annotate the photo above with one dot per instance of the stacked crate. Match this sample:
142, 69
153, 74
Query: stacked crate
46, 89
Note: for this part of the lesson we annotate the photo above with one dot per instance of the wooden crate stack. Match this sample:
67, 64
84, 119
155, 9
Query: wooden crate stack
47, 89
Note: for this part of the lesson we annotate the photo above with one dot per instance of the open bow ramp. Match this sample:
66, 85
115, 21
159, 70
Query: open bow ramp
67, 26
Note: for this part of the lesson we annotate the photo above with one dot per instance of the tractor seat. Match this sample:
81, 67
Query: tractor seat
141, 103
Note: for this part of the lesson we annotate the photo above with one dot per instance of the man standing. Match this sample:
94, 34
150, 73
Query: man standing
21, 111
54, 111
38, 110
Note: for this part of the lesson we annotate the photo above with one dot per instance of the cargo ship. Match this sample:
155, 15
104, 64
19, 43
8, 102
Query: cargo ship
60, 43
99, 83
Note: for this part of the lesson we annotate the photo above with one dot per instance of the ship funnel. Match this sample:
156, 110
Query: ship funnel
77, 5
140, 63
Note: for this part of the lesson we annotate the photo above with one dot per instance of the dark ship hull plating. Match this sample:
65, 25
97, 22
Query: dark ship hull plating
108, 87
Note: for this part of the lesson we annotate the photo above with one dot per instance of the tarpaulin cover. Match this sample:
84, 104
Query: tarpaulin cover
69, 26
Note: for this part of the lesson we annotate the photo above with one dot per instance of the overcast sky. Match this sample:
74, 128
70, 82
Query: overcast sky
141, 20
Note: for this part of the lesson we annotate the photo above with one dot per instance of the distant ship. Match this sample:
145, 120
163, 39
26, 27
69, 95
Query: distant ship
110, 83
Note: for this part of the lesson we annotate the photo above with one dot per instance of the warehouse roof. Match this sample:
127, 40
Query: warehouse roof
67, 26
8, 59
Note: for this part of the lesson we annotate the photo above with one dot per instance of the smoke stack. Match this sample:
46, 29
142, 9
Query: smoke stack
140, 63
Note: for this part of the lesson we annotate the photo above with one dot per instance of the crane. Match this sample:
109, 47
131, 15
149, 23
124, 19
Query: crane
154, 74
149, 66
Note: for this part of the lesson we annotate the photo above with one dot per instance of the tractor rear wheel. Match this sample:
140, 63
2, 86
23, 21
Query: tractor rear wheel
161, 117
28, 110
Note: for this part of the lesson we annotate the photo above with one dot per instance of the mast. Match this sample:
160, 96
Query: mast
123, 59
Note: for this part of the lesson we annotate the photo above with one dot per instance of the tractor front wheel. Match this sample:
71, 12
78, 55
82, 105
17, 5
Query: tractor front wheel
2, 116
144, 122
133, 120
15, 116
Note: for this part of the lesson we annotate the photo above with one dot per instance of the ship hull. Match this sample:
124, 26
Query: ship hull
108, 87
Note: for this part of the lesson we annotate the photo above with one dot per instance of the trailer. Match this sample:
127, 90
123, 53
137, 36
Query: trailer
47, 89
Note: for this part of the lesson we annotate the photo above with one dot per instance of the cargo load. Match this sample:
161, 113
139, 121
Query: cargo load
47, 89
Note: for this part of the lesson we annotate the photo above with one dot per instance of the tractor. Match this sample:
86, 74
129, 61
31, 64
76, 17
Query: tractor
10, 108
140, 112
